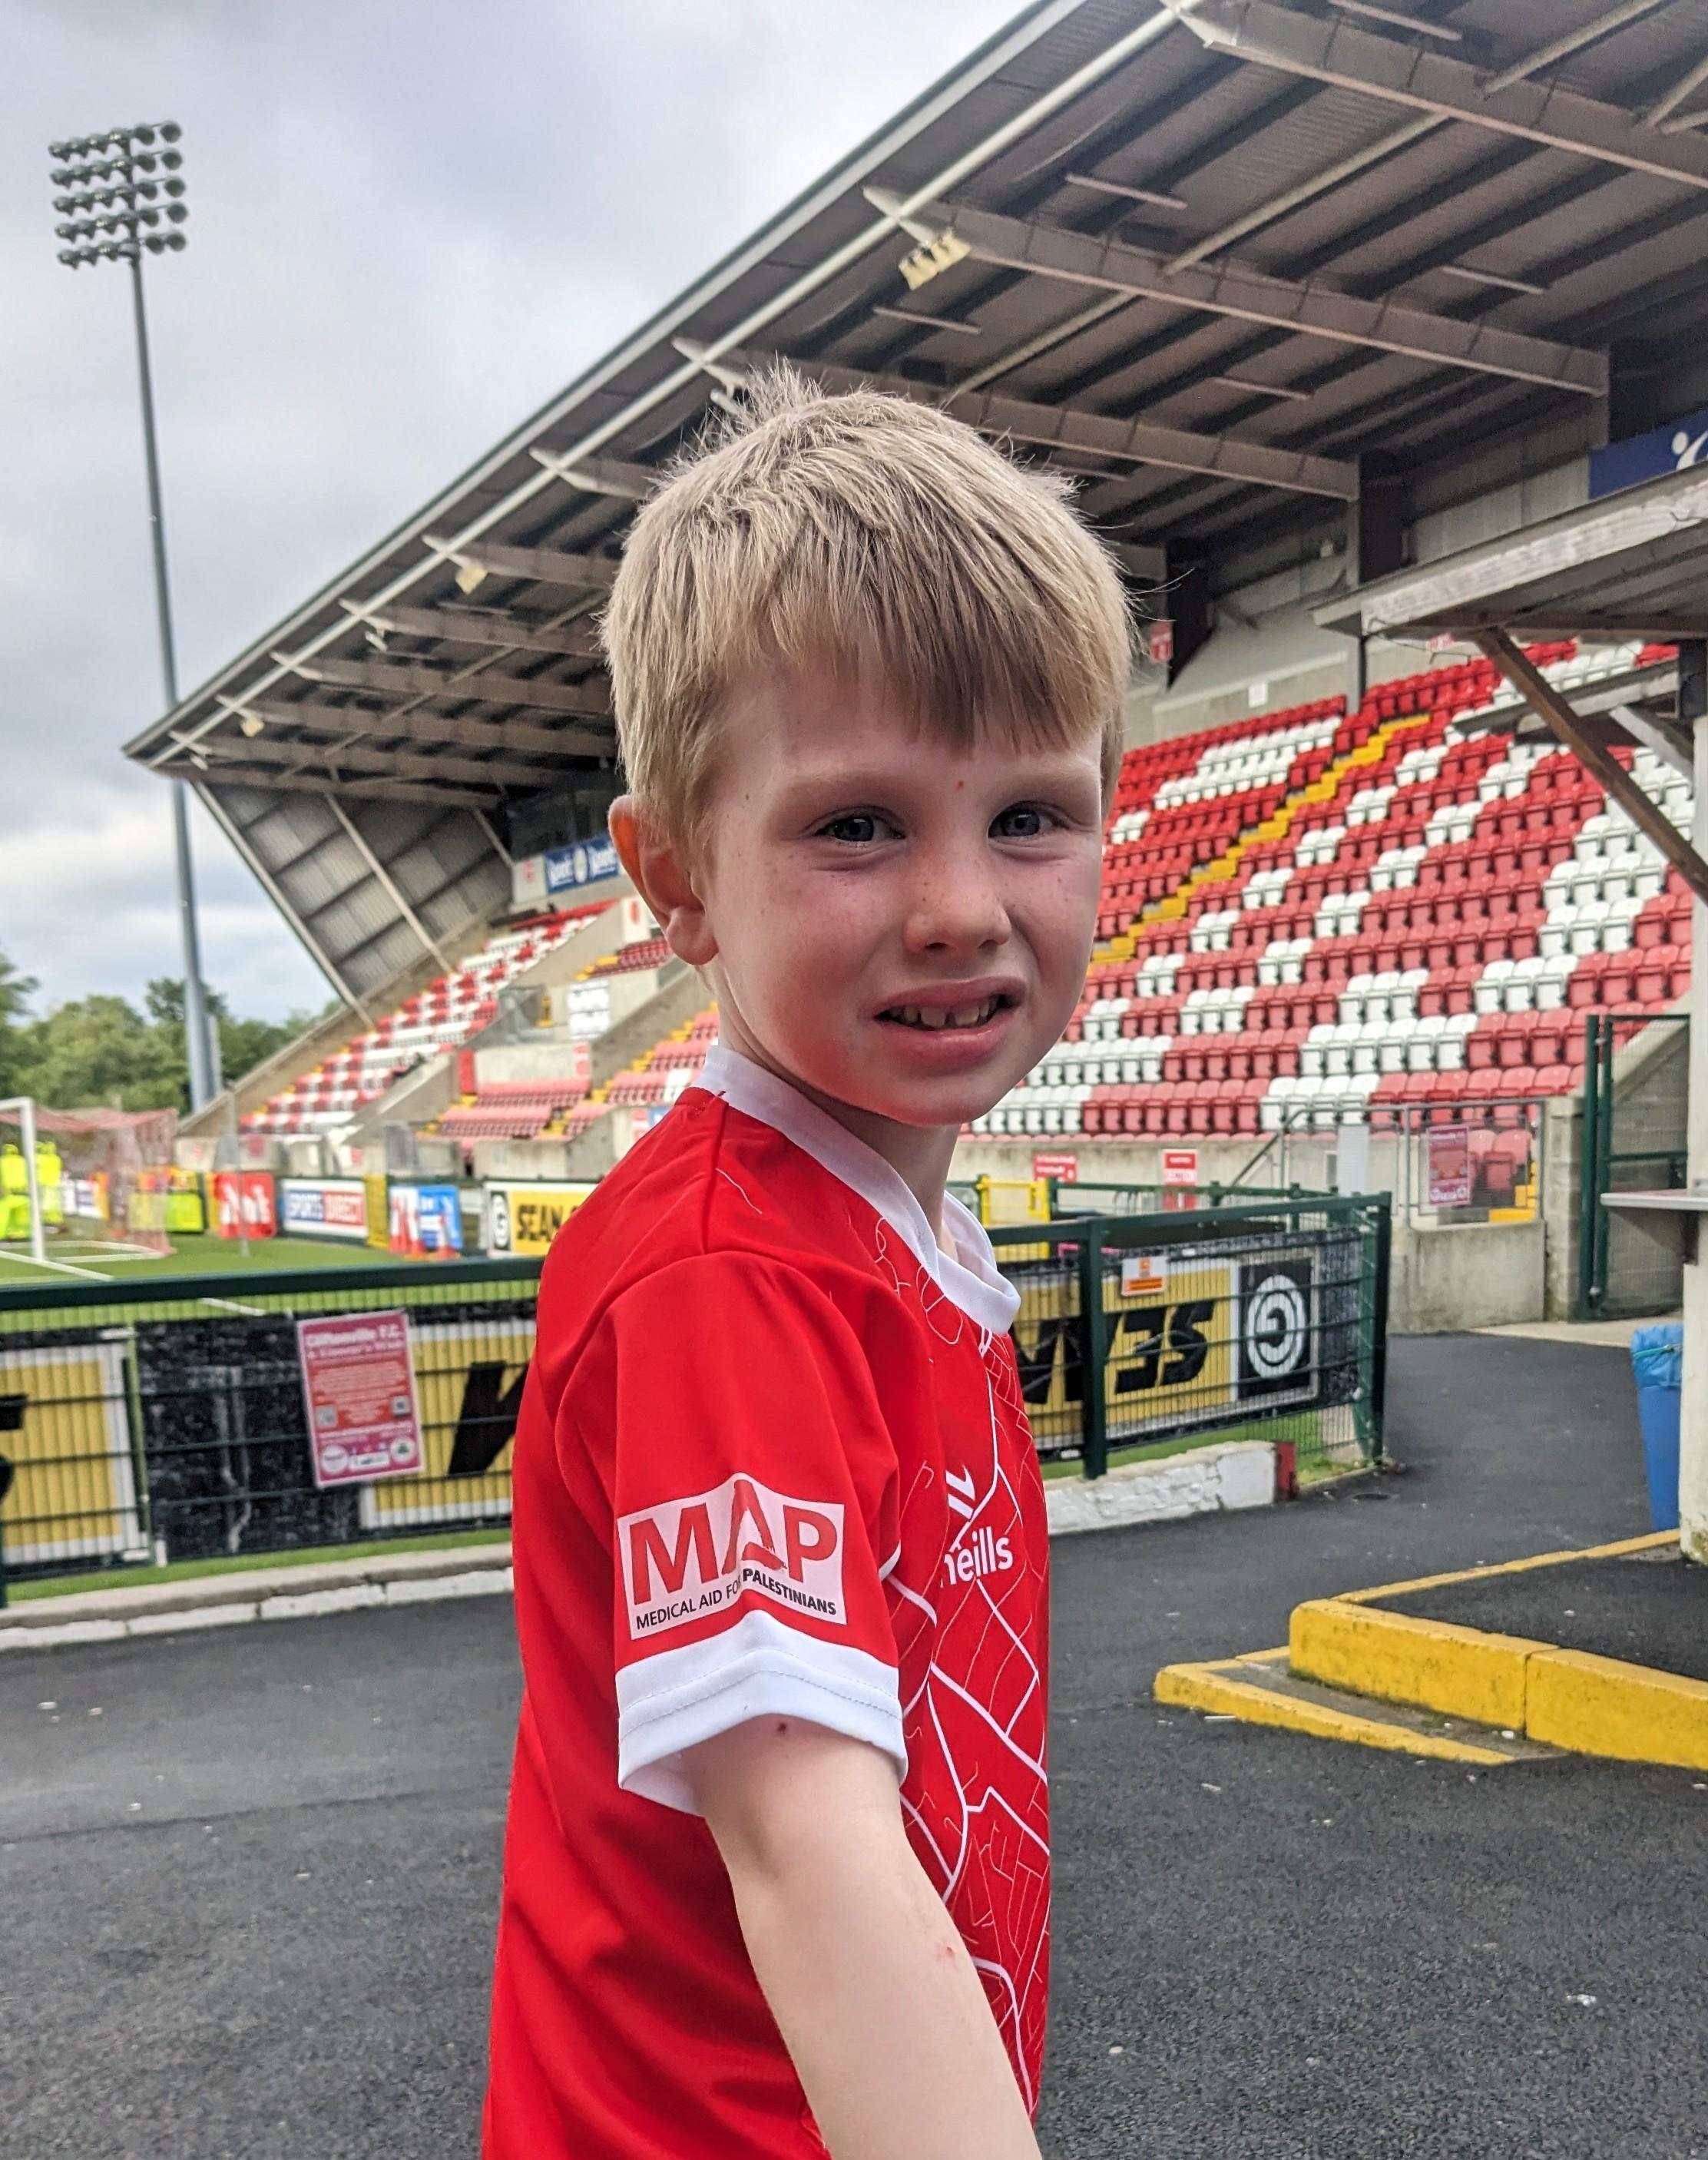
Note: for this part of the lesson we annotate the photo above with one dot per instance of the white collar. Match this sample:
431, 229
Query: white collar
969, 1280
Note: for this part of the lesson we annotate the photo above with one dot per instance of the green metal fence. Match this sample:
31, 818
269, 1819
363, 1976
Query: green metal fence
1266, 1317
166, 1421
1634, 1139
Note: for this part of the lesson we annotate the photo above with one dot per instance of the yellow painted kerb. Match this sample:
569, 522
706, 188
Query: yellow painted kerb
1221, 1690
1604, 1706
1432, 1665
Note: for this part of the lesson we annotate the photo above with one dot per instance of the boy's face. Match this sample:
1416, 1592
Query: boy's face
897, 928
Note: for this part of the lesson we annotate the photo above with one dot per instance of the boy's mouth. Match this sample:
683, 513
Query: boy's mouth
934, 1018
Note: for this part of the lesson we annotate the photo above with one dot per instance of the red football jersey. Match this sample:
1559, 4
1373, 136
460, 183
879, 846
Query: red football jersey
771, 1461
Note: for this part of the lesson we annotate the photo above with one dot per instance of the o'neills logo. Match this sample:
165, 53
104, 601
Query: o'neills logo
688, 1558
983, 1554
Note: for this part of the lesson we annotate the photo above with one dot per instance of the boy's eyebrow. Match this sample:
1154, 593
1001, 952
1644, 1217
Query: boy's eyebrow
1038, 769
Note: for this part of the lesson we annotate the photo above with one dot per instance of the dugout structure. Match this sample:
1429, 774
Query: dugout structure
1298, 295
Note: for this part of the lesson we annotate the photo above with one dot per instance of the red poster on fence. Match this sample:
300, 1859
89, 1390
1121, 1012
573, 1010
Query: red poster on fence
1180, 1174
1062, 1167
1449, 1164
359, 1389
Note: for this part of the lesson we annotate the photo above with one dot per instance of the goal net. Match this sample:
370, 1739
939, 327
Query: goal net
101, 1185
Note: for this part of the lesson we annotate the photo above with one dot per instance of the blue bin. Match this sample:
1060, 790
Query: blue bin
1658, 1360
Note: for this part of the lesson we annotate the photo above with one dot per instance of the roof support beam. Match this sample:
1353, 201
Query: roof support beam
340, 758
1648, 818
601, 476
388, 883
366, 790
358, 722
1049, 251
483, 626
1095, 435
416, 680
1342, 55
276, 893
479, 559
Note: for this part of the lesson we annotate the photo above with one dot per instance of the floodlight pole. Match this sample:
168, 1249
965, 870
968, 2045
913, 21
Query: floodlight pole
195, 1012
115, 172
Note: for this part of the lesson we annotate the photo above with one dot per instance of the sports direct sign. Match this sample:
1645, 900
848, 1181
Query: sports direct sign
688, 1558
323, 1207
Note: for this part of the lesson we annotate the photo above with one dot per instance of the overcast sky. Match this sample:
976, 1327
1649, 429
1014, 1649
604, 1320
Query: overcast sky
411, 222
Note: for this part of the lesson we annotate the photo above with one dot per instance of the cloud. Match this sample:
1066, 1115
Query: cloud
412, 222
88, 896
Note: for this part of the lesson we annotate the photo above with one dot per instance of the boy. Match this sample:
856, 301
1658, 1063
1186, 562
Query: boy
776, 1879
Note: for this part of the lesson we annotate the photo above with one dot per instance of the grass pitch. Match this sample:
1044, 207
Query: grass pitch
84, 1260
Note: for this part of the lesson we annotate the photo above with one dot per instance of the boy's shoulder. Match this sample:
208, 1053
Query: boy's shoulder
709, 1180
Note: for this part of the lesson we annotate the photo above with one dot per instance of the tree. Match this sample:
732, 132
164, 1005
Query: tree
100, 1052
15, 992
243, 1044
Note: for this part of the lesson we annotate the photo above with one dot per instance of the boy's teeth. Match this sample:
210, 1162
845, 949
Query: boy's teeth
957, 1016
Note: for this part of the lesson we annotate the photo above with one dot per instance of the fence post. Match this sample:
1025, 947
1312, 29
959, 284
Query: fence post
1604, 1158
1094, 1350
1377, 1279
1588, 1149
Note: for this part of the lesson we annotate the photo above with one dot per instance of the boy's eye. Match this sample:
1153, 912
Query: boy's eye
855, 827
1021, 821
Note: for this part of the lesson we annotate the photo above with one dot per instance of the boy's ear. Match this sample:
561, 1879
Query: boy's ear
664, 882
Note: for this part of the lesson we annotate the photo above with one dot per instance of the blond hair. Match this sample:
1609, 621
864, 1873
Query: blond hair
849, 533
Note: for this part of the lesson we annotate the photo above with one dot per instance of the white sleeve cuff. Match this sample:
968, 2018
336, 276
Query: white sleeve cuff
758, 1668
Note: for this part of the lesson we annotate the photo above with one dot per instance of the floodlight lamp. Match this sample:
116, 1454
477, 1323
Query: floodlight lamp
172, 187
143, 134
70, 257
175, 240
177, 212
170, 131
147, 216
145, 163
59, 149
62, 176
172, 159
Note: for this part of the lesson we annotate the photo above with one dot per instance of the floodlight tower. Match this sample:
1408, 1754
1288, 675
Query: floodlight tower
122, 193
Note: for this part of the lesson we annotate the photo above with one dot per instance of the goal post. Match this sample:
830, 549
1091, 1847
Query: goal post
23, 1109
84, 1184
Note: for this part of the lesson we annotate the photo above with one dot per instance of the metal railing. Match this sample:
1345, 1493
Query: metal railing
1633, 1139
1261, 1318
165, 1422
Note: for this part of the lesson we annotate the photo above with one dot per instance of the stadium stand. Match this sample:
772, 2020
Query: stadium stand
1307, 916
445, 1016
1410, 914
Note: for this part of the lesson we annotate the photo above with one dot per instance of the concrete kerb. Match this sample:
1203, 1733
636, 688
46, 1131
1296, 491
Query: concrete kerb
1223, 1475
280, 1593
1569, 1700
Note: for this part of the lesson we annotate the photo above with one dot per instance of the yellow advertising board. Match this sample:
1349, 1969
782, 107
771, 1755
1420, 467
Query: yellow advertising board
522, 1220
469, 1375
64, 1431
1189, 1339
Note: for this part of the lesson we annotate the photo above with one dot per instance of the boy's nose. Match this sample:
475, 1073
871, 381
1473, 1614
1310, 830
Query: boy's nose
957, 907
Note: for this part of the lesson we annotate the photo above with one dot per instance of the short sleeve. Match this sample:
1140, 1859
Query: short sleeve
754, 1484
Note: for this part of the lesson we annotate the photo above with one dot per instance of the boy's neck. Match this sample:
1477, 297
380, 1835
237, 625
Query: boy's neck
919, 1155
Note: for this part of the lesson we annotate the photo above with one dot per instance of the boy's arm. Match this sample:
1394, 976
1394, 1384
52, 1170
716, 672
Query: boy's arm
872, 1988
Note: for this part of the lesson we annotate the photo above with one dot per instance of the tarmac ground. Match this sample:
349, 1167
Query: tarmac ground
248, 1877
1650, 1608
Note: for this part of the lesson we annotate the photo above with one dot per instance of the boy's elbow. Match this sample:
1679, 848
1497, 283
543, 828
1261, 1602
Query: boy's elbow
779, 1795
